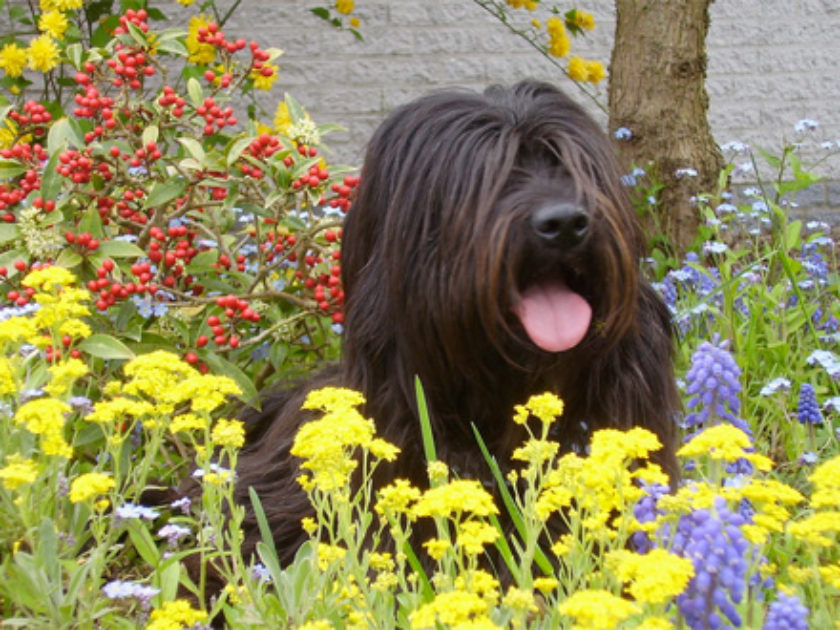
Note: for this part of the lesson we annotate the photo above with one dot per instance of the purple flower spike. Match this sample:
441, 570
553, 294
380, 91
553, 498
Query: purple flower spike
786, 613
808, 410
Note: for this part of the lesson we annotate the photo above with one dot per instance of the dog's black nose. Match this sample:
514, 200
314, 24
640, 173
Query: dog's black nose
565, 224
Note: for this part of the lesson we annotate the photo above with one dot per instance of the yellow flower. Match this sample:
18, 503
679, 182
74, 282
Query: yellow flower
89, 485
344, 6
333, 398
186, 3
595, 71
546, 584
437, 547
45, 417
597, 609
450, 608
228, 434
53, 23
581, 19
820, 528
64, 374
319, 624
262, 79
13, 59
831, 575
520, 599
18, 471
724, 442
654, 577
8, 384
397, 497
207, 391
61, 5
175, 616
282, 119
527, 4
474, 535
547, 407
329, 555
462, 496
437, 471
559, 44
826, 480
382, 449
355, 22
43, 53
535, 452
577, 69
199, 52
108, 411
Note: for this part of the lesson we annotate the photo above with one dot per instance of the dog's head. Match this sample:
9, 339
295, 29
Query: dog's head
490, 220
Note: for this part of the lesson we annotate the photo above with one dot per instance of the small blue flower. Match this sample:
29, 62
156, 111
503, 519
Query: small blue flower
182, 504
735, 147
685, 172
780, 384
622, 133
806, 124
808, 410
825, 359
125, 589
129, 511
786, 613
259, 573
809, 458
173, 533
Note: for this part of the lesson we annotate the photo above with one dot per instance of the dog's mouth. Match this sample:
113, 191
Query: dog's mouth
554, 315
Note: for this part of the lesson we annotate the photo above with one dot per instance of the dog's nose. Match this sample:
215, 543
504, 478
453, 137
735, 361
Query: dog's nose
565, 224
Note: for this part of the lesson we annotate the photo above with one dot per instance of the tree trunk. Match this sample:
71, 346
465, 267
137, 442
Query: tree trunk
657, 91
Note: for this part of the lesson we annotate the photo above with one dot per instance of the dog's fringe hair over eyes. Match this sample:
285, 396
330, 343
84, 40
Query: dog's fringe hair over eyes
468, 204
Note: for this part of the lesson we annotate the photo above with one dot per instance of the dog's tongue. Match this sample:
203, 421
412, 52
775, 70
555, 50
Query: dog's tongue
555, 317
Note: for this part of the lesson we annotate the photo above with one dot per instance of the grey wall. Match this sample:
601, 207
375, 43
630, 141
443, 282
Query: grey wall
771, 64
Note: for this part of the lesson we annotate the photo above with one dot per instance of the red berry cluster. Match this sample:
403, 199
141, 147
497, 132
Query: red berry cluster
79, 166
84, 242
129, 207
169, 97
34, 115
235, 311
215, 116
19, 295
54, 354
110, 290
171, 250
312, 179
275, 243
138, 18
344, 192
326, 287
212, 35
91, 103
262, 148
15, 191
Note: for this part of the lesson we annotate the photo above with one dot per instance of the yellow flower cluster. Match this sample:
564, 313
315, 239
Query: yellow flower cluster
327, 444
18, 471
822, 526
598, 609
523, 4
13, 59
559, 43
175, 615
547, 407
726, 443
453, 609
585, 70
90, 485
461, 496
654, 577
46, 417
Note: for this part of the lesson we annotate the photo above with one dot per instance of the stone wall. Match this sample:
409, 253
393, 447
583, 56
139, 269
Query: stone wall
771, 64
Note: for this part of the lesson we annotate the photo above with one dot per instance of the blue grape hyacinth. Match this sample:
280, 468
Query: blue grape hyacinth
786, 613
713, 381
808, 410
713, 541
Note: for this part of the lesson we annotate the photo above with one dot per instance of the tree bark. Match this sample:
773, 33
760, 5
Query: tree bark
657, 91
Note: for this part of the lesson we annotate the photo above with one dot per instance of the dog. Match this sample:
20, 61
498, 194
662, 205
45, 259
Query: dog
492, 252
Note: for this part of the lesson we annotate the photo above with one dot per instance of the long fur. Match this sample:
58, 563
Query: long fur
437, 249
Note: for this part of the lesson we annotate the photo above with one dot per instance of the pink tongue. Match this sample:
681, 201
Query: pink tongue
555, 317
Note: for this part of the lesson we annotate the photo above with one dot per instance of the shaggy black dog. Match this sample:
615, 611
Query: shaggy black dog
492, 252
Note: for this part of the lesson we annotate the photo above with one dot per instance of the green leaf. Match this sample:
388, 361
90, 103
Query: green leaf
8, 232
237, 148
143, 542
105, 347
150, 134
226, 368
792, 235
195, 92
120, 249
51, 180
164, 192
425, 424
68, 258
194, 148
91, 222
296, 111
10, 168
